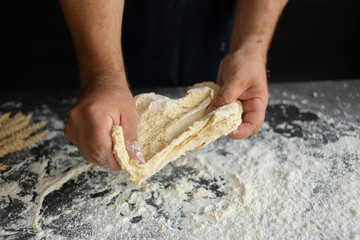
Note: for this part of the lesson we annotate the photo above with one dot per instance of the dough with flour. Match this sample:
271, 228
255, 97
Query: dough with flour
170, 127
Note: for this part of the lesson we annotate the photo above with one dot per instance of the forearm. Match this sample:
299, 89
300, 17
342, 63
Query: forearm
95, 27
254, 25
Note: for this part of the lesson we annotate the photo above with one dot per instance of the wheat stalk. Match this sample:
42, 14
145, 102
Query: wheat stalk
4, 167
14, 126
22, 133
15, 134
4, 117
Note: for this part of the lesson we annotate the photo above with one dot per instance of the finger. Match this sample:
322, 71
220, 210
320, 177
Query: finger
253, 117
134, 152
130, 128
98, 145
228, 94
220, 79
247, 129
70, 134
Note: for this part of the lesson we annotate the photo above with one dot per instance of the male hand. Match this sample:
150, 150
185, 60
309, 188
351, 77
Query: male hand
102, 105
242, 76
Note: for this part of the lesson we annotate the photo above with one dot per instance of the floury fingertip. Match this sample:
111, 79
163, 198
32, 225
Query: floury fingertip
134, 152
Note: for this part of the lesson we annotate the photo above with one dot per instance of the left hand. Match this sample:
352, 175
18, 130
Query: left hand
242, 76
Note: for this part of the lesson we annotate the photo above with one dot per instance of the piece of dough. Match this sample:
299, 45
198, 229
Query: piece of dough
170, 127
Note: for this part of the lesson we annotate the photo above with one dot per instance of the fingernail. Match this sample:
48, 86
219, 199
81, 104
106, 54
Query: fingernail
134, 152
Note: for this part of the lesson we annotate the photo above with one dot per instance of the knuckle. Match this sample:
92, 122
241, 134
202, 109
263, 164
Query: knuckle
86, 156
256, 129
90, 110
96, 150
224, 97
73, 114
82, 110
114, 167
98, 147
105, 161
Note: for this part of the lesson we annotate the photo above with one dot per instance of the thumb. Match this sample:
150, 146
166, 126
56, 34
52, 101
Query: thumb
226, 95
132, 146
133, 149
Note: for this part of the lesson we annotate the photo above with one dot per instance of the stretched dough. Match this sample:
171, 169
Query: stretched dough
170, 127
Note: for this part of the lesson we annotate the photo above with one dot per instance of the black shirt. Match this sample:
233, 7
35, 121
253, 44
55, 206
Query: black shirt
175, 43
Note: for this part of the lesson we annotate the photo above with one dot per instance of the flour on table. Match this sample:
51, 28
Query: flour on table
298, 178
170, 127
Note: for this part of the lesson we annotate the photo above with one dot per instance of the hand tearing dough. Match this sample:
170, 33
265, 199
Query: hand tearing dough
170, 127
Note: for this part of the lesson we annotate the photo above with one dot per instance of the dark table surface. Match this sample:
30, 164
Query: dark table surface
49, 191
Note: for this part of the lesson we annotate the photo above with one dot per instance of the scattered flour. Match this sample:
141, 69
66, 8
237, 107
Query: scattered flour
269, 186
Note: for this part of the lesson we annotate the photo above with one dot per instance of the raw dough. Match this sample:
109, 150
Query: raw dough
170, 127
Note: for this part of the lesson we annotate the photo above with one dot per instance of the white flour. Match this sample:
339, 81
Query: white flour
268, 186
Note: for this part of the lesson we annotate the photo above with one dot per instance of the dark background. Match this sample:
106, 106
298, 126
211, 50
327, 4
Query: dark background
314, 40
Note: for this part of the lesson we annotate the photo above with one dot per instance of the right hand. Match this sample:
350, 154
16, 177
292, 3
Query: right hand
103, 103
